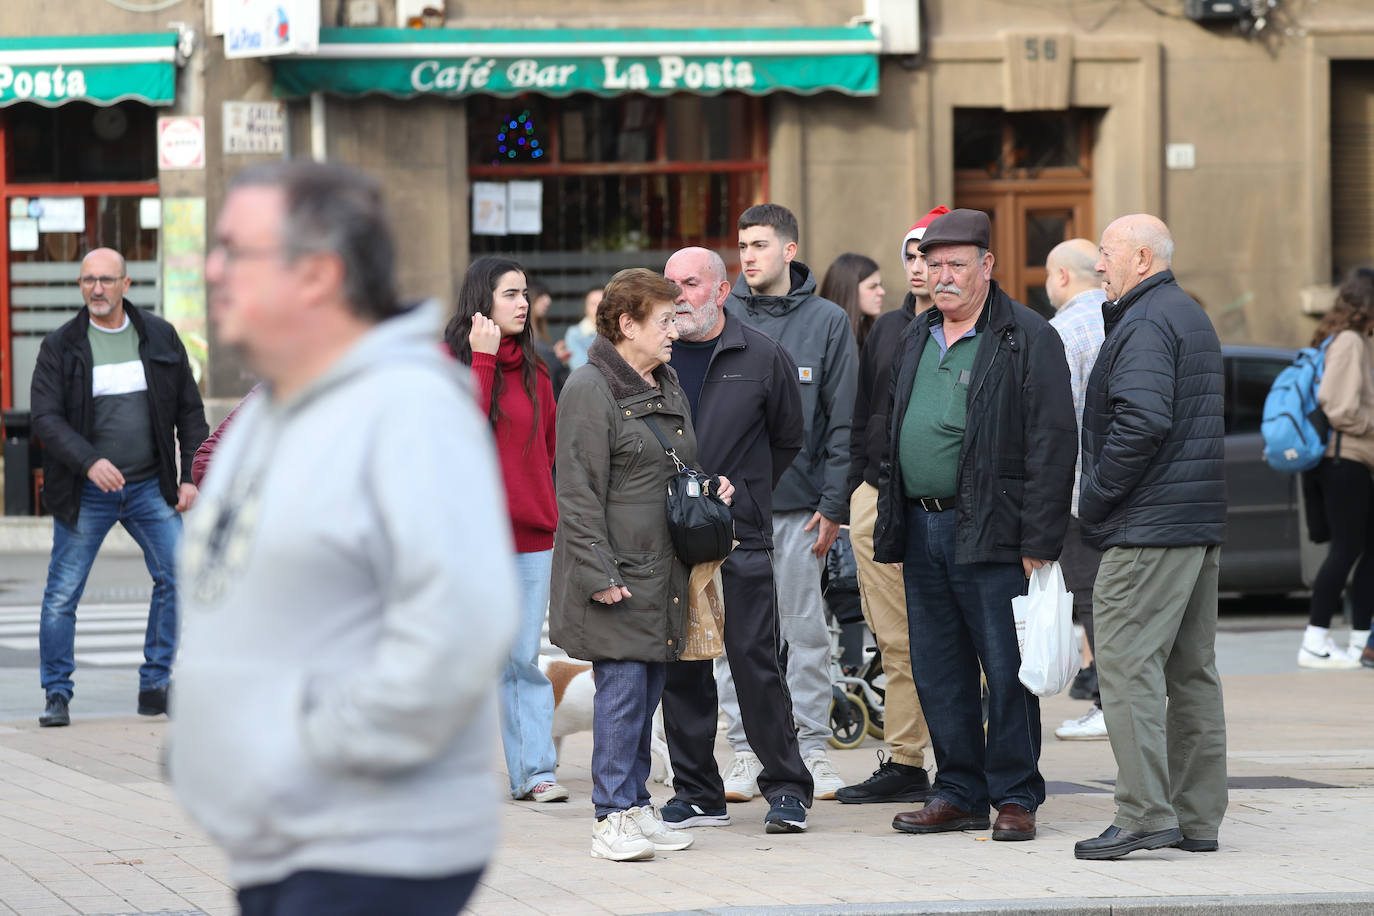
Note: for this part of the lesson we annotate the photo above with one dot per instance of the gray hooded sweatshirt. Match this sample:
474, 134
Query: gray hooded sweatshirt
349, 595
816, 333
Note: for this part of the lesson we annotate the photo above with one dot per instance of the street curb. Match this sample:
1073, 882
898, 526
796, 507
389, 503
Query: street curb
1248, 905
33, 534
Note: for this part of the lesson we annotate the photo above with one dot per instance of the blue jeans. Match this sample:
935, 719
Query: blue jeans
526, 694
156, 527
627, 693
960, 617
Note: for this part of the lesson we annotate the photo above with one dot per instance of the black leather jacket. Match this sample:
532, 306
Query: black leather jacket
1016, 463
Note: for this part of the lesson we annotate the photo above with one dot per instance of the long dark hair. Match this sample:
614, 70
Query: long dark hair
1353, 309
841, 286
475, 298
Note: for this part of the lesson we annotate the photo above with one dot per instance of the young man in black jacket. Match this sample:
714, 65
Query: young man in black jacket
747, 413
110, 388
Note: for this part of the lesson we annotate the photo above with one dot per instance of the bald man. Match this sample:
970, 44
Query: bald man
1154, 501
113, 400
1075, 291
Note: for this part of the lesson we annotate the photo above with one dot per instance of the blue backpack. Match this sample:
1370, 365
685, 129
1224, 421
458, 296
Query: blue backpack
1294, 427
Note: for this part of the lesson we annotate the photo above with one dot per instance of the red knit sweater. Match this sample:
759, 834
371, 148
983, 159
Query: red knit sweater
526, 463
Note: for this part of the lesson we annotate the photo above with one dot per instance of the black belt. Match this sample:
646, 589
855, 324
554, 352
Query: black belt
932, 504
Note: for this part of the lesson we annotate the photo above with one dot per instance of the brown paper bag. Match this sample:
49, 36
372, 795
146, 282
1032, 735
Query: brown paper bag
705, 614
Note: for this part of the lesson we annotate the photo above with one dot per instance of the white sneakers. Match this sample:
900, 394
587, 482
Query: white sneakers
1090, 727
664, 838
826, 779
1319, 652
740, 780
633, 835
617, 837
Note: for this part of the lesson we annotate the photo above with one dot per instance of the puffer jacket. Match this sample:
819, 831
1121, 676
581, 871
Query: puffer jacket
1016, 461
1153, 430
612, 522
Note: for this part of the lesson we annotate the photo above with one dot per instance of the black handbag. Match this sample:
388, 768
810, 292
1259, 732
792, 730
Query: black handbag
699, 522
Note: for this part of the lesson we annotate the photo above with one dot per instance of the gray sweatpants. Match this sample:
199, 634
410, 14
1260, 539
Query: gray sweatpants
802, 624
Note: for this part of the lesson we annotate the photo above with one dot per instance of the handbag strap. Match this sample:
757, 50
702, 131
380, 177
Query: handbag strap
663, 441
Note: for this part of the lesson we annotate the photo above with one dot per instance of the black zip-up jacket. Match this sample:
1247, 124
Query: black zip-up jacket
1153, 427
868, 435
1015, 472
749, 424
64, 412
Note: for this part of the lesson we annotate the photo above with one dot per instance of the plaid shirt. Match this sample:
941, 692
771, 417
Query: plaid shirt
1079, 323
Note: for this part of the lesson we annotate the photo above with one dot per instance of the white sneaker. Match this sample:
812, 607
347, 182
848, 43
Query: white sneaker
1358, 640
617, 837
741, 780
1325, 656
1091, 727
664, 838
826, 779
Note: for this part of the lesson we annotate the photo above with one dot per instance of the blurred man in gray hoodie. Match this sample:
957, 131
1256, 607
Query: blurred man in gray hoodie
333, 711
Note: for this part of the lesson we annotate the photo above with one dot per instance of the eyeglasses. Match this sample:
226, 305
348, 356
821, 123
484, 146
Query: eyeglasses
958, 267
106, 282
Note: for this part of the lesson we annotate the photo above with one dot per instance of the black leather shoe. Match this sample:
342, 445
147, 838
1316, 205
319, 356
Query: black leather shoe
1191, 845
1115, 842
55, 713
153, 702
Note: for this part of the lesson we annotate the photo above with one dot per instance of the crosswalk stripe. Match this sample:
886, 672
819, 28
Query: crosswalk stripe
107, 634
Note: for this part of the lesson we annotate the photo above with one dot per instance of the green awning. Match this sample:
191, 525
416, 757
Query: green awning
103, 69
406, 63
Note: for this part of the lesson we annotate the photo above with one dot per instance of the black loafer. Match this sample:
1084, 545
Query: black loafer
55, 712
1115, 842
1187, 844
152, 702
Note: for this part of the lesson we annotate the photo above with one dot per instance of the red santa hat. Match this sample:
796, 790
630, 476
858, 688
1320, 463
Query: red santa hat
919, 230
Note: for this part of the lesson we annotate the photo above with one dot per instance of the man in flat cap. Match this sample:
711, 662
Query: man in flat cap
974, 496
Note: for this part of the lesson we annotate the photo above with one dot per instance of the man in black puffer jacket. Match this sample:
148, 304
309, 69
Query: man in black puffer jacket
1154, 499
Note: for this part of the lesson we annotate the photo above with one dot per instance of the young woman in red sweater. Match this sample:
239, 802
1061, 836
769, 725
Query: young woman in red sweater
490, 332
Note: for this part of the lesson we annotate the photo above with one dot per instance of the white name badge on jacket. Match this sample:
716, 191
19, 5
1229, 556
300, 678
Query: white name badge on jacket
805, 374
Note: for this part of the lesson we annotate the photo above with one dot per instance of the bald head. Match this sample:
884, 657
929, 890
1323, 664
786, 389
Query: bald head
104, 281
1071, 269
700, 273
104, 255
1133, 249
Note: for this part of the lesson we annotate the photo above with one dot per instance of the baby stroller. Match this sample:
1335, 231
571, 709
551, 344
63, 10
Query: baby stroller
856, 705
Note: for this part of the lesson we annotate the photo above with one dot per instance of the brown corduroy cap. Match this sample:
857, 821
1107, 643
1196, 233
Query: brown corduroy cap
958, 227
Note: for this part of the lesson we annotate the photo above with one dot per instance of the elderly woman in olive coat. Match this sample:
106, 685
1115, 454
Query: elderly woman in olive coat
619, 593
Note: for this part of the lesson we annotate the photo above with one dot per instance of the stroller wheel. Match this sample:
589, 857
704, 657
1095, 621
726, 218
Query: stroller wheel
848, 721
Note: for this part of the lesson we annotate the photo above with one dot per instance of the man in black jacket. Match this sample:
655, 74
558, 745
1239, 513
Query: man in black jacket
902, 776
1153, 498
111, 387
973, 495
747, 412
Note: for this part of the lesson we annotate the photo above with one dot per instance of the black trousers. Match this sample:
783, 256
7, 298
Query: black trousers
1348, 491
313, 893
691, 708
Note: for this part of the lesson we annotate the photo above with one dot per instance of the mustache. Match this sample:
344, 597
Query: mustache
948, 288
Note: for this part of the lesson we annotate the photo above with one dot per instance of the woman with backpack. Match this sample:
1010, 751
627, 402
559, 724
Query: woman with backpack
1346, 395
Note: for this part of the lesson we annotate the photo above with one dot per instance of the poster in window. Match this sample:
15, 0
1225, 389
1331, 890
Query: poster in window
23, 234
488, 208
525, 207
60, 214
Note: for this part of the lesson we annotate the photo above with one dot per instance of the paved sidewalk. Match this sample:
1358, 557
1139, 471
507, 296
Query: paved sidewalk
88, 826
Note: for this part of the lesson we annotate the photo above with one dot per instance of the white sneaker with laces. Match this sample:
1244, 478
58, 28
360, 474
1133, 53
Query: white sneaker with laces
617, 837
1319, 652
664, 838
1091, 727
741, 780
825, 778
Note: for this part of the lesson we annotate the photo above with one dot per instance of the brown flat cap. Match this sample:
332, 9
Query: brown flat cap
958, 227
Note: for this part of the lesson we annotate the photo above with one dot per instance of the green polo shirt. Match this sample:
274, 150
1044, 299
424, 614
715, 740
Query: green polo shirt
933, 427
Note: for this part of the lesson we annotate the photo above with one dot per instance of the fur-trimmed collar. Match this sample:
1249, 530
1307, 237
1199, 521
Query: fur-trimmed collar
625, 382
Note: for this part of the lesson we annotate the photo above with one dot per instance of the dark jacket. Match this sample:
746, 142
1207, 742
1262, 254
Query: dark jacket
64, 412
1016, 463
817, 334
1153, 431
872, 399
612, 521
749, 424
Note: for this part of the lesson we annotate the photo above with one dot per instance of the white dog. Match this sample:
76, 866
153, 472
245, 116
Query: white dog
573, 691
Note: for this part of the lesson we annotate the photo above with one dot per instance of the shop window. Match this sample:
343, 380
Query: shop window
81, 142
622, 182
1005, 144
1352, 165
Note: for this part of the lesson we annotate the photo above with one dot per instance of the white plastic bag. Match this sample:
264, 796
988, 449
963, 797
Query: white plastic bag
1044, 630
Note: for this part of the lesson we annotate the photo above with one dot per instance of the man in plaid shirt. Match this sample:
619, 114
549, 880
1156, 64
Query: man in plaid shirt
1075, 291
